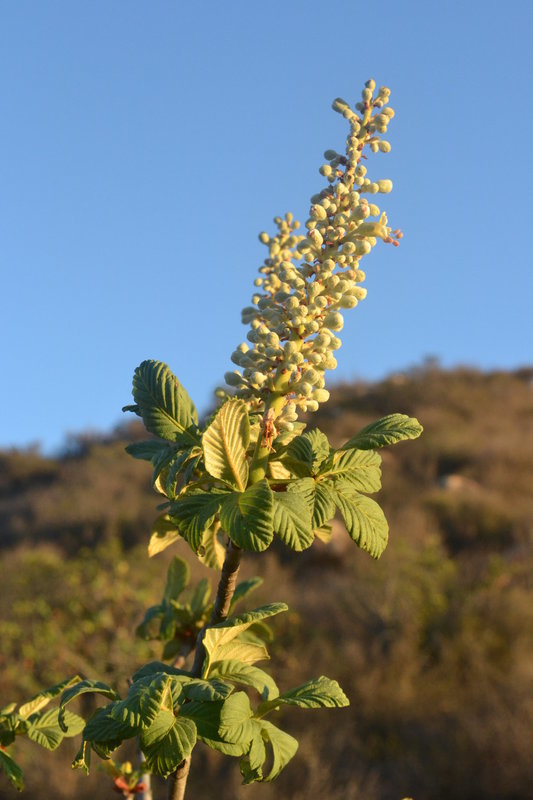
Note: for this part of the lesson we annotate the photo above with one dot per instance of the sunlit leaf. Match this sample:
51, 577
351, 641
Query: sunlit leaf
388, 430
225, 442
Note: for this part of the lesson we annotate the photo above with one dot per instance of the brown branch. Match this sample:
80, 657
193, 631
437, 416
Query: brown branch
226, 588
177, 783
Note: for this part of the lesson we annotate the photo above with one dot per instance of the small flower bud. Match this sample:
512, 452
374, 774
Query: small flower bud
233, 378
264, 237
334, 321
321, 395
385, 186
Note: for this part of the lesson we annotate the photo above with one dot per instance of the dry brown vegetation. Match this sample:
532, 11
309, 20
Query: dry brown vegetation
433, 644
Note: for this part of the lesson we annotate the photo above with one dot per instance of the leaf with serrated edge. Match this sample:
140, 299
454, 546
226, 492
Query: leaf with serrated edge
224, 633
177, 578
12, 770
385, 431
194, 511
144, 701
42, 699
305, 453
361, 468
248, 652
241, 673
236, 723
283, 745
148, 450
319, 496
164, 533
318, 693
364, 520
206, 717
292, 520
44, 728
225, 442
82, 759
107, 731
212, 550
166, 408
82, 688
247, 517
167, 742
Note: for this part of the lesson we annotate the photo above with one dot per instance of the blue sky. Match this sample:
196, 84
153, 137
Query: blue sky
144, 146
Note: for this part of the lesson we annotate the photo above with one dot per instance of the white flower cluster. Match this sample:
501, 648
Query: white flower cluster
306, 281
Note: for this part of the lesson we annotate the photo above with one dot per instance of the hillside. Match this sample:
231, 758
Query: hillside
432, 643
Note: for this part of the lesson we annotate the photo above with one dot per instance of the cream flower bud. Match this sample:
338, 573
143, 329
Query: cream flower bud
325, 170
264, 237
318, 212
257, 378
290, 348
384, 146
321, 395
385, 186
348, 301
233, 378
334, 321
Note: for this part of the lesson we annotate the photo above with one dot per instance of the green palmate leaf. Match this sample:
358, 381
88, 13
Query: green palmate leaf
246, 675
319, 496
236, 723
360, 468
219, 641
44, 728
305, 453
324, 533
155, 667
82, 688
148, 450
177, 578
388, 430
206, 717
167, 742
164, 533
246, 651
293, 520
183, 464
319, 693
9, 725
247, 517
283, 747
164, 405
243, 589
12, 770
145, 699
212, 551
42, 699
82, 759
207, 691
364, 520
225, 443
200, 597
106, 731
195, 511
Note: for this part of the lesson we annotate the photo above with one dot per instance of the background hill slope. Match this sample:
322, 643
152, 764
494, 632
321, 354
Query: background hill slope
432, 644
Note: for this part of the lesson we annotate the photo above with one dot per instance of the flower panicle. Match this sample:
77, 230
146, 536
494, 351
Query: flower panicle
308, 280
